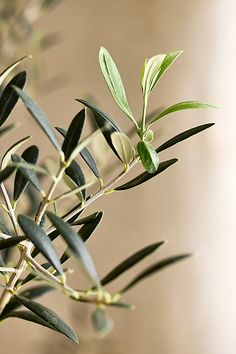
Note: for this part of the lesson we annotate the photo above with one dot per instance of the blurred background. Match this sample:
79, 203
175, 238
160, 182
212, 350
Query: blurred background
191, 307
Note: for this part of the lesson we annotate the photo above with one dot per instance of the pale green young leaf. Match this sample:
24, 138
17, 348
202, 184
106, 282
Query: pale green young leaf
150, 73
183, 106
148, 156
123, 146
167, 62
114, 82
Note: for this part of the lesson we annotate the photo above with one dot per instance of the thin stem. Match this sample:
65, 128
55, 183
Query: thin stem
10, 209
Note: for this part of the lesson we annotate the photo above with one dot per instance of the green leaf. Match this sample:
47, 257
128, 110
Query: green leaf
41, 241
123, 146
145, 176
50, 317
183, 106
30, 155
7, 71
7, 156
157, 267
85, 154
30, 293
86, 219
39, 117
76, 174
150, 73
167, 62
9, 98
182, 136
29, 175
6, 173
29, 316
73, 134
130, 262
114, 82
148, 156
76, 246
104, 122
11, 241
89, 227
102, 324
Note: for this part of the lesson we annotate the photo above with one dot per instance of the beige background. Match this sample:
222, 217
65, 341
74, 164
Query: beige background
189, 308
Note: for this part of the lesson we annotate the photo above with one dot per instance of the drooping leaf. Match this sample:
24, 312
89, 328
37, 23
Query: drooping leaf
41, 241
9, 98
157, 267
7, 156
30, 293
73, 134
86, 219
50, 317
85, 154
145, 176
182, 136
167, 62
11, 241
76, 174
76, 246
6, 173
7, 71
183, 106
104, 122
29, 316
114, 82
148, 156
151, 70
123, 146
30, 155
89, 227
39, 117
130, 262
29, 175
102, 324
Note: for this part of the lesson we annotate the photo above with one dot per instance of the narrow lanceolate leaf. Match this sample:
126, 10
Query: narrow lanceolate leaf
151, 70
7, 156
104, 122
30, 155
9, 98
6, 173
145, 176
28, 174
39, 117
50, 317
148, 156
30, 293
41, 241
102, 324
114, 82
85, 154
76, 174
11, 241
130, 262
183, 106
7, 129
157, 267
76, 246
89, 227
29, 316
123, 146
7, 71
167, 62
86, 219
73, 134
182, 136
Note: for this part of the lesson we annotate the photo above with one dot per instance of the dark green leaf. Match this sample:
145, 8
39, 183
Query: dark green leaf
6, 172
130, 262
39, 116
145, 176
30, 293
29, 316
104, 122
86, 219
30, 155
9, 97
148, 156
7, 71
155, 268
41, 241
73, 134
50, 317
101, 323
76, 246
76, 174
182, 136
11, 241
89, 227
28, 174
12, 149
